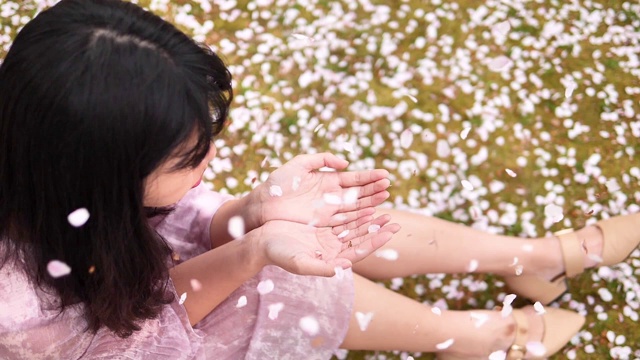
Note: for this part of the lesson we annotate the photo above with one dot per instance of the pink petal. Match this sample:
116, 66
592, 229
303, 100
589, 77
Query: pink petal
57, 268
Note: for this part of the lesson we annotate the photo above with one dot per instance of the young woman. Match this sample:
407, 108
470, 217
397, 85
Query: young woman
110, 248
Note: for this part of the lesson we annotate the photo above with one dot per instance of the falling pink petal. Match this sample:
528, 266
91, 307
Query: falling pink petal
364, 319
436, 310
318, 128
406, 139
78, 217
302, 37
498, 355
473, 265
506, 311
509, 299
183, 297
236, 227
387, 254
444, 345
57, 268
499, 63
519, 269
536, 348
373, 228
332, 199
595, 258
479, 318
343, 234
274, 310
539, 308
309, 325
275, 190
265, 287
511, 173
242, 302
527, 247
515, 261
351, 196
467, 184
413, 98
196, 285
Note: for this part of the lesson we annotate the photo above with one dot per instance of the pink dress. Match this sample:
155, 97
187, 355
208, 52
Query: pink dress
28, 331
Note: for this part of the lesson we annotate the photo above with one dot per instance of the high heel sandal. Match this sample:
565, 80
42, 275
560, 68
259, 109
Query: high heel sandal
559, 327
620, 237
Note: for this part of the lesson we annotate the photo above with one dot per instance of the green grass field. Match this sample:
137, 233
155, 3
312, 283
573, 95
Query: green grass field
547, 89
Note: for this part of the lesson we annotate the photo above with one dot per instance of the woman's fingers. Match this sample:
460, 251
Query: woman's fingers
359, 178
363, 246
347, 220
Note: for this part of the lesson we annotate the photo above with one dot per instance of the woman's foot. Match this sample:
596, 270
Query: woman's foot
526, 334
607, 243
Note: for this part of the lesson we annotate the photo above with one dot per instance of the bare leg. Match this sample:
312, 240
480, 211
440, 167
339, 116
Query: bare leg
431, 245
400, 323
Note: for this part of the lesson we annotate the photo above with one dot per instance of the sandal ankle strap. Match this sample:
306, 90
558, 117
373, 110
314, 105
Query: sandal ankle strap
518, 350
572, 252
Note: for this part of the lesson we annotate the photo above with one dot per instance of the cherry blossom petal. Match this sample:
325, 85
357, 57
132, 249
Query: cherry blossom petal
265, 287
387, 254
57, 268
236, 226
445, 344
364, 319
275, 190
78, 217
309, 325
274, 310
242, 302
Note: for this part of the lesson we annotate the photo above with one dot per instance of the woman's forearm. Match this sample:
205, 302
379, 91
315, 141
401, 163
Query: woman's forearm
247, 208
219, 271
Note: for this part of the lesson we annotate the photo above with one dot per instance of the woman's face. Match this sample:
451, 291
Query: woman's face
164, 187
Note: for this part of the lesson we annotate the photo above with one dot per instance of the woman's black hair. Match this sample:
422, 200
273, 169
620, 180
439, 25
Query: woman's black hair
94, 96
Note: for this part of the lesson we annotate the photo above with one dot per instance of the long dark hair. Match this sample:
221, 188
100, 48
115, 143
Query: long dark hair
95, 95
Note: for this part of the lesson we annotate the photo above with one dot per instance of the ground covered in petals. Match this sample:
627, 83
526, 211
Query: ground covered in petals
517, 117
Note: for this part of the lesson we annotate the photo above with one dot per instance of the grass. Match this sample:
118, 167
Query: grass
540, 138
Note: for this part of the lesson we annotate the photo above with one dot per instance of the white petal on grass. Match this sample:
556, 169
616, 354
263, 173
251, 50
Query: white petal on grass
339, 273
499, 63
309, 325
536, 348
445, 344
274, 310
511, 173
195, 285
351, 196
554, 212
605, 294
467, 184
413, 98
479, 318
275, 190
436, 310
242, 302
265, 287
373, 228
473, 265
568, 91
363, 320
498, 355
78, 217
296, 183
183, 298
465, 132
57, 268
406, 139
302, 37
315, 130
343, 234
539, 308
387, 254
236, 226
501, 28
332, 199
